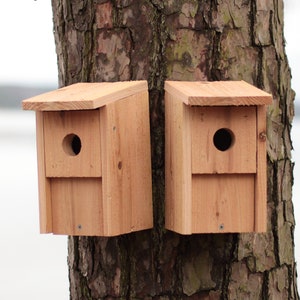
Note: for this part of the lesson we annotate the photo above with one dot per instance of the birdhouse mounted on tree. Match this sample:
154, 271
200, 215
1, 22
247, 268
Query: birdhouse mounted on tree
94, 163
215, 157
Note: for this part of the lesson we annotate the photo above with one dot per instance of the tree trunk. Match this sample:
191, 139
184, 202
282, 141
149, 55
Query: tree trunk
185, 40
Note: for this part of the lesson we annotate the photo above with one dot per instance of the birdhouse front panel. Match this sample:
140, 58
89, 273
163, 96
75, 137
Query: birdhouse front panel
77, 206
94, 158
223, 203
223, 139
215, 157
72, 143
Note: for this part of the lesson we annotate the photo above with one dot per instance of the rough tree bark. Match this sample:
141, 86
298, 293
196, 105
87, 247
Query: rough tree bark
156, 40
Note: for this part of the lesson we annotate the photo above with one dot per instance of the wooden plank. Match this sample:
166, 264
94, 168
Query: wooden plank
239, 123
45, 209
126, 165
223, 203
171, 203
81, 96
139, 148
261, 176
217, 93
178, 166
77, 206
59, 129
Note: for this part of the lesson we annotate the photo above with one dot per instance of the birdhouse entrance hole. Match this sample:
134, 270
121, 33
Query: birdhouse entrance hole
72, 144
223, 139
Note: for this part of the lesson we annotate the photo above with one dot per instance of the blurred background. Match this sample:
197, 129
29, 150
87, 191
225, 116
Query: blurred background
34, 266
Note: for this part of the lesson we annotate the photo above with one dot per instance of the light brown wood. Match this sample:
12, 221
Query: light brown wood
94, 164
178, 199
215, 184
61, 162
127, 187
77, 206
215, 93
85, 95
45, 208
241, 155
223, 203
261, 175
138, 146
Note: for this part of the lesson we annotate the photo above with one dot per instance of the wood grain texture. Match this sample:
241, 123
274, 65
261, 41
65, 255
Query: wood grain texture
127, 185
223, 203
95, 164
62, 163
241, 155
261, 174
196, 165
45, 206
218, 93
85, 95
77, 207
178, 199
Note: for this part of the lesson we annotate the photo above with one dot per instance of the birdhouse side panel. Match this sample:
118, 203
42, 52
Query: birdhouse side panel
178, 165
45, 207
140, 161
126, 164
261, 175
72, 143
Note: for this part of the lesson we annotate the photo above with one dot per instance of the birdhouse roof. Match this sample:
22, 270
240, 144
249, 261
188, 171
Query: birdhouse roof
217, 93
82, 96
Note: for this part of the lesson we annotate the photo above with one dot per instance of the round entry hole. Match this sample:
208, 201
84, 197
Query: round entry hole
223, 139
72, 144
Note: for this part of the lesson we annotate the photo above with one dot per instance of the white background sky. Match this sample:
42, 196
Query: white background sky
27, 54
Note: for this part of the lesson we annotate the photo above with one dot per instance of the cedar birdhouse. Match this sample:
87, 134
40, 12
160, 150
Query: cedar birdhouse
215, 157
94, 165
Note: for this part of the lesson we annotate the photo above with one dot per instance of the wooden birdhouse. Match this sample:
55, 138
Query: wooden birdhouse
215, 157
94, 164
